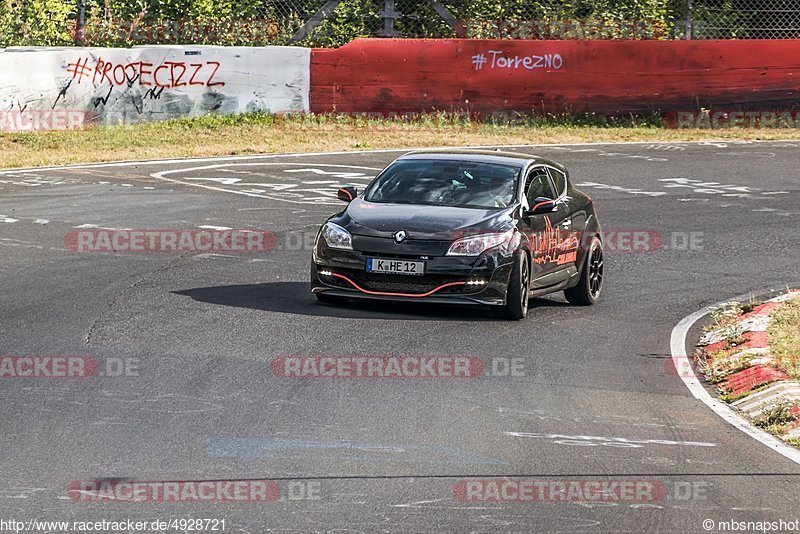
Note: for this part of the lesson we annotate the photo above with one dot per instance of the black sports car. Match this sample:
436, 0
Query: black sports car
462, 227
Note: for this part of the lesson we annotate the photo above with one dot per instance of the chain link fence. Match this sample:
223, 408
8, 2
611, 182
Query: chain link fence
329, 23
743, 19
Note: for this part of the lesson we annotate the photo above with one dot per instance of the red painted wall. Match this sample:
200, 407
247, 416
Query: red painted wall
606, 77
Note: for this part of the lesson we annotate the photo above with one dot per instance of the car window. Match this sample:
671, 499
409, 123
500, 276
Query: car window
445, 183
560, 180
537, 184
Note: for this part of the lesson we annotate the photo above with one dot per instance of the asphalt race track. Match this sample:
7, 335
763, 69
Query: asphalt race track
597, 397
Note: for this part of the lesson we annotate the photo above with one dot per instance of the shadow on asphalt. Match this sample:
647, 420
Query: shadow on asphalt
295, 297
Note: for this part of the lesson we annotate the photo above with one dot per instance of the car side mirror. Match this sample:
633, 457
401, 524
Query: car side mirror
543, 205
346, 193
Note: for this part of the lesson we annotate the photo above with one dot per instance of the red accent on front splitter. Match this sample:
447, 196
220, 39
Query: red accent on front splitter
387, 294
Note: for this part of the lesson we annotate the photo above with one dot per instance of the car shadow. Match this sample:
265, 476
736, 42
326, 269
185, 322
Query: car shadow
295, 298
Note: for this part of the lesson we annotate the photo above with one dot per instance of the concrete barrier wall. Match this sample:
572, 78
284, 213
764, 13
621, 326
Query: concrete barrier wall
605, 77
54, 88
115, 86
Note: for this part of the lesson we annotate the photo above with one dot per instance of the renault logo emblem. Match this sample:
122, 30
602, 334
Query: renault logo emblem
400, 236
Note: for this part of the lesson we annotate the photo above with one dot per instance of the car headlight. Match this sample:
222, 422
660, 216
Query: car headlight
337, 237
478, 244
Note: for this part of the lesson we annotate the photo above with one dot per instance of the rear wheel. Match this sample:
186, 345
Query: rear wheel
516, 306
591, 282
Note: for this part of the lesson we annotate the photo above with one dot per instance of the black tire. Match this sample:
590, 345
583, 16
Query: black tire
516, 306
588, 289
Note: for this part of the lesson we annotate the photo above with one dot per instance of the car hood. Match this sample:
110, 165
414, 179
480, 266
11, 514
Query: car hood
420, 222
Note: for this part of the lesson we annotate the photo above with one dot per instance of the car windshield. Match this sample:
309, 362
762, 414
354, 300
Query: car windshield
445, 183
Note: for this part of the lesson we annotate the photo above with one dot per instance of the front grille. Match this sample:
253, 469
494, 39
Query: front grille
402, 287
410, 249
395, 256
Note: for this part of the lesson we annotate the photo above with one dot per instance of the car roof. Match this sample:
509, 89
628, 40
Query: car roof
515, 159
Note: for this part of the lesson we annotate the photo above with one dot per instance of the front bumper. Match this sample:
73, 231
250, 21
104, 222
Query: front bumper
447, 279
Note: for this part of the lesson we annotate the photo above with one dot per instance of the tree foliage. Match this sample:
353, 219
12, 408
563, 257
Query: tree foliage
36, 22
262, 22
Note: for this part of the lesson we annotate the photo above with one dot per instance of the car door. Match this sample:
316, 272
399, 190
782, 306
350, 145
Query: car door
568, 232
542, 229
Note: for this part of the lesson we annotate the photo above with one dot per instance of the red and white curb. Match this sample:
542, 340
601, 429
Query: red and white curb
757, 403
790, 390
755, 362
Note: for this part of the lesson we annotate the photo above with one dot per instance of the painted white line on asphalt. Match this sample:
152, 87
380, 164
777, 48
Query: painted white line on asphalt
246, 193
275, 164
341, 152
562, 439
162, 175
679, 356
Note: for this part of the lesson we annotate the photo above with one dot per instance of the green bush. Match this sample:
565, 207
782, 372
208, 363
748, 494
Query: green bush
37, 22
503, 19
262, 22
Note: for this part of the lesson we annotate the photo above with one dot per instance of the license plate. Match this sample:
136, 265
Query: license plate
380, 265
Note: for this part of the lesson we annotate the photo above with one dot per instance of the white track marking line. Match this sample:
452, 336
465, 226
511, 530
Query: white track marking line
239, 192
678, 349
162, 175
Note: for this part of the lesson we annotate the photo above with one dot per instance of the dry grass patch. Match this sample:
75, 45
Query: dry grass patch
784, 337
263, 134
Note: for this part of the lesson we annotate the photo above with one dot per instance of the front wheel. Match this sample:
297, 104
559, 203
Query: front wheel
516, 306
591, 282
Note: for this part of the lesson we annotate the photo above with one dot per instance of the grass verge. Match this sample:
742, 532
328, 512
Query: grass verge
258, 133
783, 335
783, 339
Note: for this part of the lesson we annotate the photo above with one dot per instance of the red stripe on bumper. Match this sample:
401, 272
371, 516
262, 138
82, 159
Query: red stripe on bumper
387, 294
